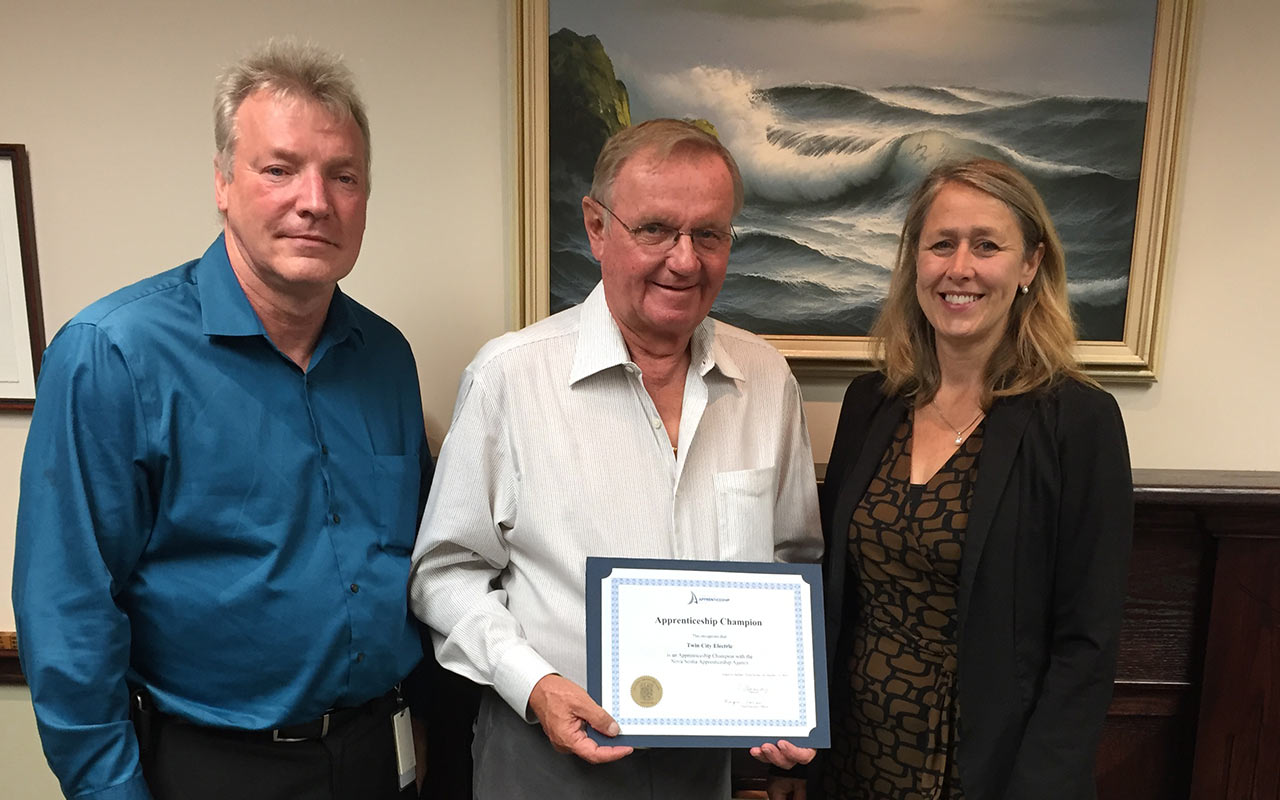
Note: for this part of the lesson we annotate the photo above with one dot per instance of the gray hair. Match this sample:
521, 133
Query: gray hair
286, 69
664, 137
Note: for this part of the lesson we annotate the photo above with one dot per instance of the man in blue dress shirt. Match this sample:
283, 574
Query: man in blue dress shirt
221, 486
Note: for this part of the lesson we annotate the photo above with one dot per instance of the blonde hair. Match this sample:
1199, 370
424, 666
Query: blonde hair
287, 69
664, 137
1037, 348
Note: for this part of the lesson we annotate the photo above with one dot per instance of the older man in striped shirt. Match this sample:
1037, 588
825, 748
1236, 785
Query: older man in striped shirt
632, 425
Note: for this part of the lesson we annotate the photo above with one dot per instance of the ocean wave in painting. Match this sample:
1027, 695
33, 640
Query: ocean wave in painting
828, 171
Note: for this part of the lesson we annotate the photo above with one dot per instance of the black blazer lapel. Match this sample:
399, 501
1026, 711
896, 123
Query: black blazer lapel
879, 431
1001, 438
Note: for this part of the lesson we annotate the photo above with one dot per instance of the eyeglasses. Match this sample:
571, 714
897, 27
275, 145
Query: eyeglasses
659, 238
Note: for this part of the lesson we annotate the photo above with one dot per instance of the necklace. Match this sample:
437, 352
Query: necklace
959, 431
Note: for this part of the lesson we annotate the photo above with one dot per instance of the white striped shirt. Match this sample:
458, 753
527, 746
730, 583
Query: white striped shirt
556, 453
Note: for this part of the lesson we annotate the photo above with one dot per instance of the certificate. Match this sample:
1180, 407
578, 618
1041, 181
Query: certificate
707, 654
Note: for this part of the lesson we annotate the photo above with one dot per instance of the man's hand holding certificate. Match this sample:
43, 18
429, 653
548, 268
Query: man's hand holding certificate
702, 654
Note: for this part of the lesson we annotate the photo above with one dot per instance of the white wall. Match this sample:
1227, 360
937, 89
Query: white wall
23, 773
112, 101
1215, 406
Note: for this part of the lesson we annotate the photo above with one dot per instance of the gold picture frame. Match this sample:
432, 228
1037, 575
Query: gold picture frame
1134, 357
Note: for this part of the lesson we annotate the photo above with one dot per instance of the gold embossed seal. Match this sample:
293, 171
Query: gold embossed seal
646, 691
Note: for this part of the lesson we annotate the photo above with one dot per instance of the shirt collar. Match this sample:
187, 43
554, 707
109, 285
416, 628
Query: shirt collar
707, 351
225, 310
601, 346
223, 307
341, 324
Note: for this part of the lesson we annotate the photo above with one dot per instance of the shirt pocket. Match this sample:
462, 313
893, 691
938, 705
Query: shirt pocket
744, 513
397, 479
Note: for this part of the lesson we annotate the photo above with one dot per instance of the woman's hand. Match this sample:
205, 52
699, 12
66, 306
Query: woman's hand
783, 755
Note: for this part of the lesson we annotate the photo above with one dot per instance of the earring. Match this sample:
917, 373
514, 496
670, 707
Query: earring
1025, 289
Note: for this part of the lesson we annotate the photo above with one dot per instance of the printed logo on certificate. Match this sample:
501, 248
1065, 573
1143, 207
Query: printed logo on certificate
707, 654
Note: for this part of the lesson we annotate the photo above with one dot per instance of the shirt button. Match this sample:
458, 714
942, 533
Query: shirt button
359, 657
657, 423
324, 451
336, 519
355, 587
632, 368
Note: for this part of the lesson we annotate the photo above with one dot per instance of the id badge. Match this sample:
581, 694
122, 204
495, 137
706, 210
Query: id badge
406, 758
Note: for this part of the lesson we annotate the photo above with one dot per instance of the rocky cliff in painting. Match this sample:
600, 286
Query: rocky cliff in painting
587, 102
586, 105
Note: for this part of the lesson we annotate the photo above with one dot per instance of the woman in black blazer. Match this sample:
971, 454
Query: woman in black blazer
978, 513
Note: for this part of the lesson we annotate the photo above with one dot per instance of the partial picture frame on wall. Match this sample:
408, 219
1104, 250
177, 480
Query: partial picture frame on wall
21, 317
829, 161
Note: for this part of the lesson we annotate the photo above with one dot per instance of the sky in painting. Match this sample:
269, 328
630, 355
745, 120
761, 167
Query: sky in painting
1094, 48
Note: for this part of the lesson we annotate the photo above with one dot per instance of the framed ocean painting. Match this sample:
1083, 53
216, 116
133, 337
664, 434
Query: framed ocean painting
835, 111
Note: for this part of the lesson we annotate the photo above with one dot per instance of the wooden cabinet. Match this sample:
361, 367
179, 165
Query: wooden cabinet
1196, 712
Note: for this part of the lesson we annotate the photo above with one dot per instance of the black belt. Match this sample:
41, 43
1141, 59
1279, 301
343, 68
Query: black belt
331, 721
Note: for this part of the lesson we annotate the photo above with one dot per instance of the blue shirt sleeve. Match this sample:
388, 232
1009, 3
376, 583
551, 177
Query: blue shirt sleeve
84, 515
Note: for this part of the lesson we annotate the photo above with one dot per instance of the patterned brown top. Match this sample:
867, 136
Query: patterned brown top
895, 706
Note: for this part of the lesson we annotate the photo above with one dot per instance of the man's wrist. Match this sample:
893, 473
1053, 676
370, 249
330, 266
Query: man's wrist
518, 671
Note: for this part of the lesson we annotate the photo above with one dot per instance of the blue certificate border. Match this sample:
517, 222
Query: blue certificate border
599, 568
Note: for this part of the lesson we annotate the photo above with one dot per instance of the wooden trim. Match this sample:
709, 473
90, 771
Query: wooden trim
533, 226
1149, 698
1205, 487
10, 672
1193, 487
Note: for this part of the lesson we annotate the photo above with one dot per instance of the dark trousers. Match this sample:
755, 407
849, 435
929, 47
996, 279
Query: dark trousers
446, 703
354, 760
